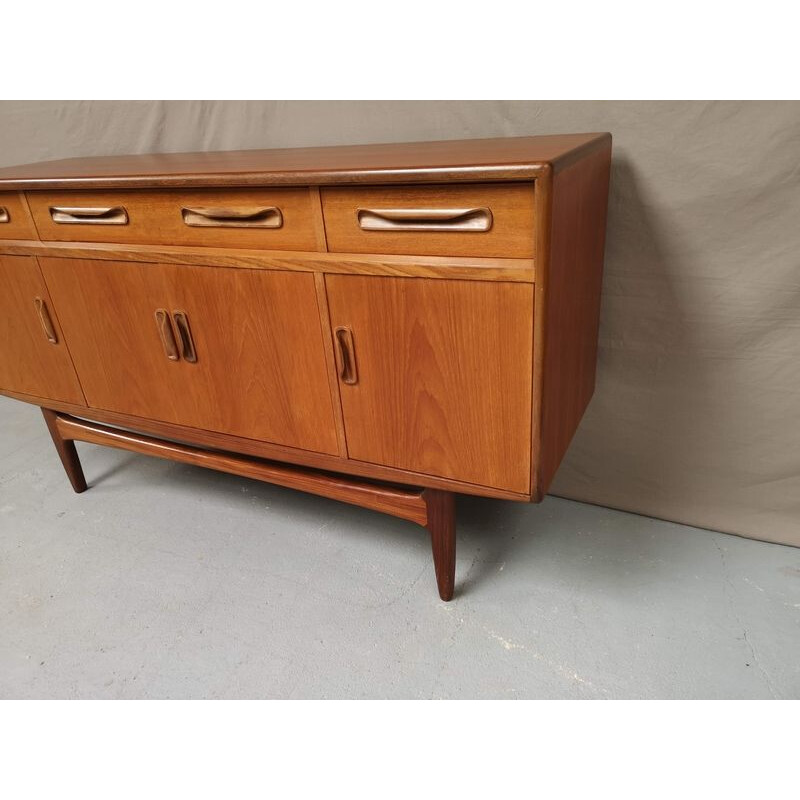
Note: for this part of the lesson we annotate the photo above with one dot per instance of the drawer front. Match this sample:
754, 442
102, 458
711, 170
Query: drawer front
494, 220
262, 219
15, 220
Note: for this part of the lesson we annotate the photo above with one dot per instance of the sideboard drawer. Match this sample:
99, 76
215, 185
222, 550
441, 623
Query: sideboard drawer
15, 221
489, 219
265, 219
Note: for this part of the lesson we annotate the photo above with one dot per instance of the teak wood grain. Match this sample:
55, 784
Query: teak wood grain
443, 376
15, 217
513, 158
156, 218
573, 283
318, 219
382, 348
510, 206
330, 359
260, 369
520, 270
29, 362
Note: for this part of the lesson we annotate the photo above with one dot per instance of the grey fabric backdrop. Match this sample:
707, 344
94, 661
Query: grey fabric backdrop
696, 417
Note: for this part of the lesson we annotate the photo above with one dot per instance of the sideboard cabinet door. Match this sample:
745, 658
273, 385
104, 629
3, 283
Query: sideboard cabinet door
231, 350
436, 375
33, 356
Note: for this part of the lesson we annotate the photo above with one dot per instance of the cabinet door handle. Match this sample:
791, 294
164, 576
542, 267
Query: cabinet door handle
348, 371
185, 335
425, 219
44, 318
115, 215
246, 217
167, 336
4, 215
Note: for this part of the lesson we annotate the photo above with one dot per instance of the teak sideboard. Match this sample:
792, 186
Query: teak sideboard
386, 325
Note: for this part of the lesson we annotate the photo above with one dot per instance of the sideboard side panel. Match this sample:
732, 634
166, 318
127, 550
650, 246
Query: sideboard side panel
572, 299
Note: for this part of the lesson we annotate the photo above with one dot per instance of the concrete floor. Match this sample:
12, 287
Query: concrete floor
168, 581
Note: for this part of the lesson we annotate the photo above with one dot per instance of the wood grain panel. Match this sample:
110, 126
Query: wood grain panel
513, 158
444, 376
510, 236
15, 218
484, 269
330, 359
29, 363
261, 370
155, 217
319, 220
544, 193
572, 283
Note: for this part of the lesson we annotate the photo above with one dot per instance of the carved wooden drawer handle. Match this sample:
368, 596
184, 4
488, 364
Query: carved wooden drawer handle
4, 215
348, 371
468, 220
185, 335
115, 215
249, 217
44, 318
166, 334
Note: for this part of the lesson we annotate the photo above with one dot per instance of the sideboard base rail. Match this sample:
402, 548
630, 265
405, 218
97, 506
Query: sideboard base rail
433, 509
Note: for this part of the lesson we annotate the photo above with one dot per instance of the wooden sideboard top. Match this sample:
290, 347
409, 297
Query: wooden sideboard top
517, 158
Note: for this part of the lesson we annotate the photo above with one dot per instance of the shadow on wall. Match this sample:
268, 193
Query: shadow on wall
637, 437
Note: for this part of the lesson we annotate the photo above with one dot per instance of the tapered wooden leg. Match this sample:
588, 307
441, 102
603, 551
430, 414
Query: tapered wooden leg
66, 452
442, 526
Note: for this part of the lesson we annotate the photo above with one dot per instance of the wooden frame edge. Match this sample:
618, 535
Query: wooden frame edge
513, 270
543, 222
